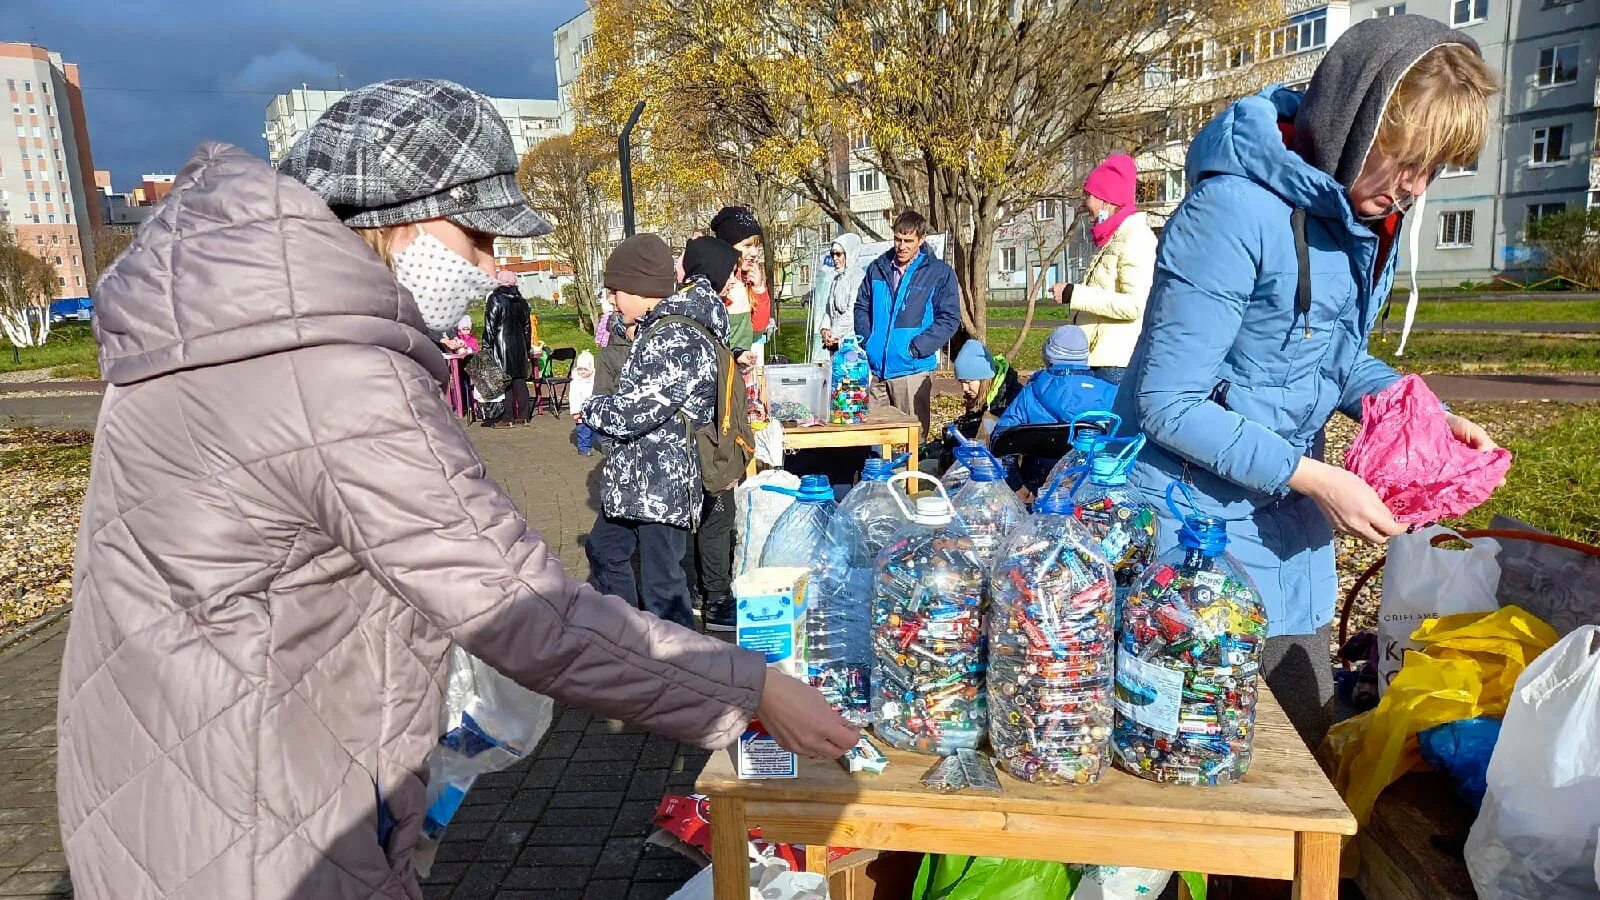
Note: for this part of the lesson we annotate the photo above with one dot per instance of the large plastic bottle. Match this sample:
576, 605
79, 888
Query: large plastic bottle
927, 634
838, 626
1189, 651
1115, 513
797, 537
1090, 431
988, 506
1051, 643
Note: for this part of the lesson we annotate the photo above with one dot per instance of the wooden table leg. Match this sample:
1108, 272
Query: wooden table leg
730, 853
1316, 866
912, 436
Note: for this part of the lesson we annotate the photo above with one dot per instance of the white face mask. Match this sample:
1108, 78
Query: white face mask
440, 280
1102, 215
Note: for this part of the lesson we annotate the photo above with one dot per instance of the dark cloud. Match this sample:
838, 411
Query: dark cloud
163, 75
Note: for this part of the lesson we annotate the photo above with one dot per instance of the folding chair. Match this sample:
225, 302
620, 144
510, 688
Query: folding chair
557, 385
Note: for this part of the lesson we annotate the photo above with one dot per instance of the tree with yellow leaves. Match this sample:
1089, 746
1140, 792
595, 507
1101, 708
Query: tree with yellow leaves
563, 178
973, 109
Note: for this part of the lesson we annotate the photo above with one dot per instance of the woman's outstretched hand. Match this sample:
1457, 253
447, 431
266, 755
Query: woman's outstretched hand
1350, 504
802, 721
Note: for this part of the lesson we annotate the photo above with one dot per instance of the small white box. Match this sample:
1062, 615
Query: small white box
770, 608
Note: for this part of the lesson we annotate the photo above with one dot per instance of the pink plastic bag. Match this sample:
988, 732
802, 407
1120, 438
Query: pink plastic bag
1406, 452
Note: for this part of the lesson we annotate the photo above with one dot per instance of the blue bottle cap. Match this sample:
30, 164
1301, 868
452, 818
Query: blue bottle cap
815, 489
1055, 503
878, 469
1207, 534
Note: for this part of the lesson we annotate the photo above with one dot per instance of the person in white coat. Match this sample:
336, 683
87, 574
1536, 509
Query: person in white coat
1109, 303
836, 312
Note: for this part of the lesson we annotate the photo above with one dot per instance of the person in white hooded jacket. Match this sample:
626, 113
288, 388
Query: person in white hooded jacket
836, 318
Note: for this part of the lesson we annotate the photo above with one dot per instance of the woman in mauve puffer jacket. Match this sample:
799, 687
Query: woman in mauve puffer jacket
286, 528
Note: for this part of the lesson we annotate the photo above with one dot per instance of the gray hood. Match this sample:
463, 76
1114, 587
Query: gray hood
1338, 120
237, 262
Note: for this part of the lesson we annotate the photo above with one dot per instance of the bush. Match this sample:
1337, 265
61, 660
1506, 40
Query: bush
1569, 245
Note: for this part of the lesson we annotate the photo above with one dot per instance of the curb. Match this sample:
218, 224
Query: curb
23, 634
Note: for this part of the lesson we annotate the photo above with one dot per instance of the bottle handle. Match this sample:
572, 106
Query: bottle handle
1076, 474
1173, 490
1095, 415
899, 496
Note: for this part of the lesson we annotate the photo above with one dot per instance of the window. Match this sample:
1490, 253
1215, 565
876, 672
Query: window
77, 260
55, 239
16, 110
1399, 9
11, 84
33, 110
868, 181
1455, 229
1538, 212
1551, 145
1558, 65
22, 131
37, 132
58, 260
55, 132
860, 141
51, 218
1468, 12
77, 280
1046, 211
62, 279
1238, 52
34, 198
27, 85
1310, 30
1455, 171
1174, 184
1008, 259
44, 87
1189, 61
39, 239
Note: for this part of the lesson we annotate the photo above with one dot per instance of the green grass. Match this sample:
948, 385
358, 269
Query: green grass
1551, 470
1491, 353
48, 454
70, 351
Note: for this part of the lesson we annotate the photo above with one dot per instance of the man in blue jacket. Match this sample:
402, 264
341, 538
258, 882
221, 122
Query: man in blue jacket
908, 307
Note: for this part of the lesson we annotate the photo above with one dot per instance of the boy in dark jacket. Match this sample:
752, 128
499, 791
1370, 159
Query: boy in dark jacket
650, 487
908, 307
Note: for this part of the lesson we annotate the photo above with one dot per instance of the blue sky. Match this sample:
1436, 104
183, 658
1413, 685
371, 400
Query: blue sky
163, 75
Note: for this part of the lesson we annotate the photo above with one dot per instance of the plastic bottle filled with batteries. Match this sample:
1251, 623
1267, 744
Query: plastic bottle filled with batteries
1089, 432
987, 505
838, 626
1115, 513
1188, 654
1051, 644
927, 633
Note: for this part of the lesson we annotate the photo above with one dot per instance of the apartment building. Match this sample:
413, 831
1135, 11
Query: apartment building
573, 39
47, 186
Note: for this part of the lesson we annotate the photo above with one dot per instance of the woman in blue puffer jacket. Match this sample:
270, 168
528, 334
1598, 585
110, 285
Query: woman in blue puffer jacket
1269, 278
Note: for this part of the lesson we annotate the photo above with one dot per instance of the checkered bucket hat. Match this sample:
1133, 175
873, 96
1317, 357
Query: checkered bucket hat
413, 149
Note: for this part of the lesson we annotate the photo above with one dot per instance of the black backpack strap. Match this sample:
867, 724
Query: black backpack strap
1302, 252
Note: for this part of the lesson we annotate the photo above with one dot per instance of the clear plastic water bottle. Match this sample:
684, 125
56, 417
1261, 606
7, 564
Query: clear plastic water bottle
797, 537
928, 691
838, 625
988, 506
1115, 513
1189, 651
1090, 431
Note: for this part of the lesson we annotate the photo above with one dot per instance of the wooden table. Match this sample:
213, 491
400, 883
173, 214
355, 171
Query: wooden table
885, 430
1283, 821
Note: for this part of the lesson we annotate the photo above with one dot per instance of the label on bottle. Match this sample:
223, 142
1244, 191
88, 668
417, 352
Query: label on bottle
1148, 694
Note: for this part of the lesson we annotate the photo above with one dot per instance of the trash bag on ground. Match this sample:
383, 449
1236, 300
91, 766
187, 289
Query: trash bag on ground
1406, 452
1467, 666
991, 878
1421, 581
1536, 837
1462, 750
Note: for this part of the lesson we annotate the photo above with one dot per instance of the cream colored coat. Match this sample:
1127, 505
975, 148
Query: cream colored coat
1109, 303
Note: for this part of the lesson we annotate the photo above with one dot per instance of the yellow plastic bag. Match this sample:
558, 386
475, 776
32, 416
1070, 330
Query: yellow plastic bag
1467, 666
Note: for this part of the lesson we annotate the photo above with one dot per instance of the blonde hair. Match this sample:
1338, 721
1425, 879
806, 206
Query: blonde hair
1439, 113
380, 239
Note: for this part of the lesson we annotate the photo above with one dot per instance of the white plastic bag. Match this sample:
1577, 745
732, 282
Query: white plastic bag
1120, 883
769, 444
1538, 835
1421, 581
756, 511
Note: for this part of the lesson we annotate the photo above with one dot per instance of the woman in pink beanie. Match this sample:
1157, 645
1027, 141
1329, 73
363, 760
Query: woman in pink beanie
1109, 302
